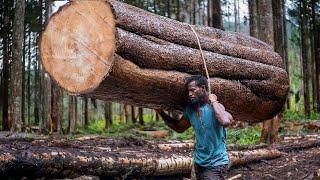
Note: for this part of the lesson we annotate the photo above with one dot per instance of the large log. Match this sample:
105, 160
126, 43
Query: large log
129, 83
114, 51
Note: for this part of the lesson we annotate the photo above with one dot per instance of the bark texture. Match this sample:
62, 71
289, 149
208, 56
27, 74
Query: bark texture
16, 68
105, 158
154, 55
317, 57
305, 56
57, 107
167, 87
215, 14
72, 115
5, 70
253, 18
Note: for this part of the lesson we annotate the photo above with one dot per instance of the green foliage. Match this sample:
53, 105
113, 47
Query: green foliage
291, 115
248, 135
187, 135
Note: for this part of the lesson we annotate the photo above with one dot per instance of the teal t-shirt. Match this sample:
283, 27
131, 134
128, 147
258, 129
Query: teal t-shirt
210, 146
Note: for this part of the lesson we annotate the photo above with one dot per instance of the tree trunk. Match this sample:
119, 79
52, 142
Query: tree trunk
57, 107
140, 112
75, 110
122, 114
37, 90
126, 112
313, 60
23, 80
237, 16
108, 114
72, 115
270, 133
5, 69
285, 37
16, 67
253, 18
193, 16
85, 113
177, 10
241, 65
215, 14
265, 22
168, 5
42, 79
39, 74
29, 78
304, 55
47, 83
133, 114
157, 116
316, 34
266, 30
47, 104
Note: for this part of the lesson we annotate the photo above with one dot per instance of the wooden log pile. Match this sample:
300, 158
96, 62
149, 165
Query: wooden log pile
105, 158
34, 156
113, 51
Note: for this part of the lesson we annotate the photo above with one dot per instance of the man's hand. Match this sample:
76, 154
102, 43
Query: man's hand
213, 98
224, 117
175, 124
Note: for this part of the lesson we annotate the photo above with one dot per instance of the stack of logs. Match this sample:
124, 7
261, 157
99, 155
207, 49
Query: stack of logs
113, 51
105, 157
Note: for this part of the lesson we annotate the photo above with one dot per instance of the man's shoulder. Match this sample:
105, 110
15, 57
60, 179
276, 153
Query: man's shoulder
188, 108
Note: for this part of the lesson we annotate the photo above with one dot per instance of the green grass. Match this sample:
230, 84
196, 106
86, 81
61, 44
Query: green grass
248, 135
290, 115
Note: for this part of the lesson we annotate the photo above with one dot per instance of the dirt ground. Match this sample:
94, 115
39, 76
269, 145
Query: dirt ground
301, 164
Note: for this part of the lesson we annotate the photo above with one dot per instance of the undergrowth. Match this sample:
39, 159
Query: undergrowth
248, 135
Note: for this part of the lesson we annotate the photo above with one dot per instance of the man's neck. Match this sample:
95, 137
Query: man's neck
199, 104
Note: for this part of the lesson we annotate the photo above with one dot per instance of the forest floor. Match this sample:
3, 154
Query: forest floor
300, 157
297, 164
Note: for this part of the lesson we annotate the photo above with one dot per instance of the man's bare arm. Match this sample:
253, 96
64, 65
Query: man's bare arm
224, 117
177, 125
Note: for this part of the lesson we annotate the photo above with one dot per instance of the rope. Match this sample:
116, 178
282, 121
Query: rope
204, 60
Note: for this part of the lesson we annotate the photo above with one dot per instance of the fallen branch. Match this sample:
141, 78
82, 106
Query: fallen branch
300, 145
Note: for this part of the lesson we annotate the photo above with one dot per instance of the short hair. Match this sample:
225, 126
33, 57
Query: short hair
200, 80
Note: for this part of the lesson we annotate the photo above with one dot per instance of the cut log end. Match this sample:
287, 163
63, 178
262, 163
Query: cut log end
78, 51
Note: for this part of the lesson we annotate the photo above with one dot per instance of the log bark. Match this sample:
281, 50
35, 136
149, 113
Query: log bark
245, 73
167, 87
71, 158
296, 146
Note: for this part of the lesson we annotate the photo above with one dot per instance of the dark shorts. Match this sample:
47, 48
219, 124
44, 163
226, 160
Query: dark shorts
215, 173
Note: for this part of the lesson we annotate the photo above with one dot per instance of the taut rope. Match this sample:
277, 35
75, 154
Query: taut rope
204, 60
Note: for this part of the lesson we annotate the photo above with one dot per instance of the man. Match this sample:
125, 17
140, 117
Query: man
208, 118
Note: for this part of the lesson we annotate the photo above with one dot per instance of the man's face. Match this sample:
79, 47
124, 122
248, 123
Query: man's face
197, 94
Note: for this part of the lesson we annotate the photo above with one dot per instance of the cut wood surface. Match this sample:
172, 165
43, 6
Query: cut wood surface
113, 51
